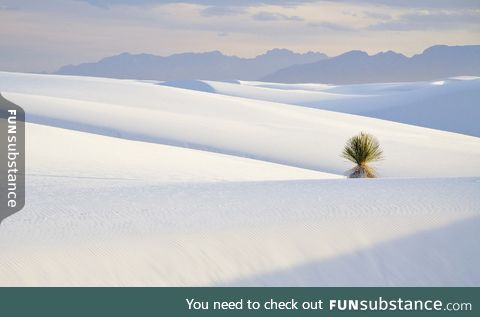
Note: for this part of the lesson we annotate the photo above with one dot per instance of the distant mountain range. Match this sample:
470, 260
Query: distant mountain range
358, 67
284, 66
211, 65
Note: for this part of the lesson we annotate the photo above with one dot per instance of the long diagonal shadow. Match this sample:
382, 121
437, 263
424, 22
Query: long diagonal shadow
446, 256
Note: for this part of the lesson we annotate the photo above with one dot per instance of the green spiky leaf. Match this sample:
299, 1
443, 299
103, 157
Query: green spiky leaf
362, 149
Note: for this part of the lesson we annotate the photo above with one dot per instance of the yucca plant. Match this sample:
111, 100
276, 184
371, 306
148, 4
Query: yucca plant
362, 149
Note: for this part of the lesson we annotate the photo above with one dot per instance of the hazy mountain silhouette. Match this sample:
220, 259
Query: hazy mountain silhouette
211, 65
358, 67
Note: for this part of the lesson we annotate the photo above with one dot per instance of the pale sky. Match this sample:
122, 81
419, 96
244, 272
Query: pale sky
44, 35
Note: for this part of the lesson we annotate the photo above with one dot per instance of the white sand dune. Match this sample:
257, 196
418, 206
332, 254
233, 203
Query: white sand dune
132, 183
399, 256
450, 104
65, 153
117, 232
278, 133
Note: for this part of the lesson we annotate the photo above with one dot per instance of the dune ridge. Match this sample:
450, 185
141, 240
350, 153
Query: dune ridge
135, 184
